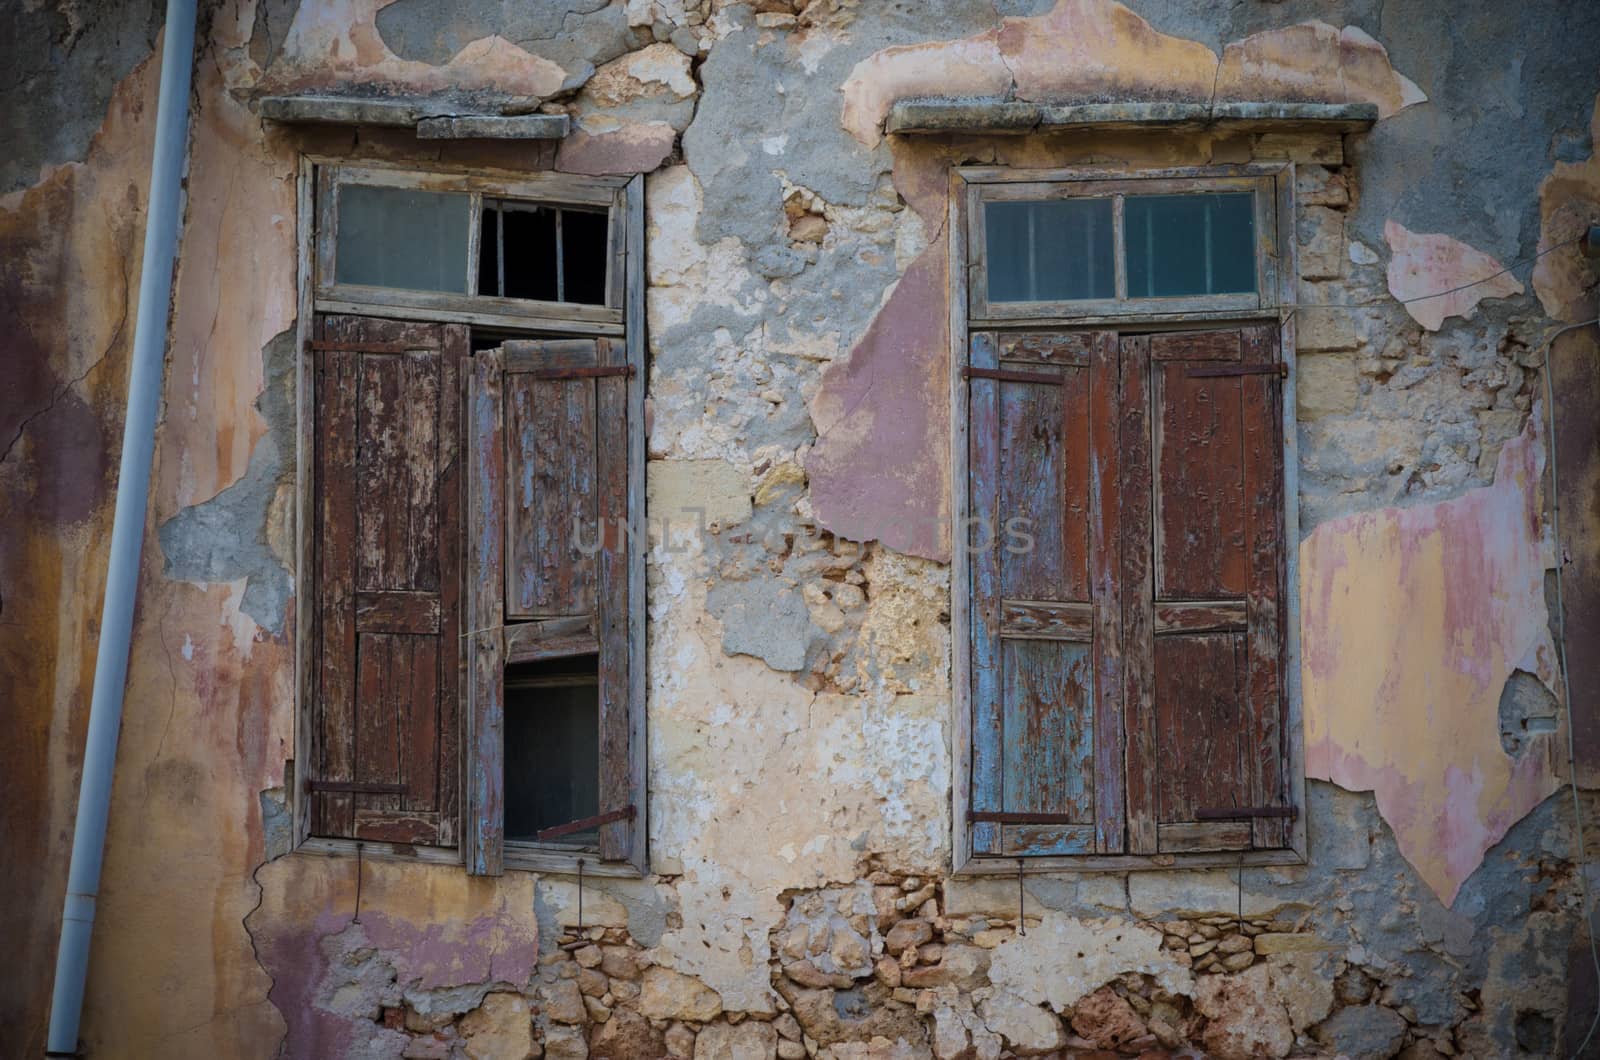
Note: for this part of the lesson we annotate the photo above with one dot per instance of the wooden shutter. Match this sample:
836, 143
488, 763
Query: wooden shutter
549, 553
387, 580
1203, 582
1046, 658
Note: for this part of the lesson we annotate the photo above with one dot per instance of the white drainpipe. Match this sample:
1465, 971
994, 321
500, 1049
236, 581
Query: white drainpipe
162, 224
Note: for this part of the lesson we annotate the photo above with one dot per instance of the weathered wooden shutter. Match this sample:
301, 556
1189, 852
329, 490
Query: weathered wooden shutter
1046, 629
1203, 583
549, 553
388, 582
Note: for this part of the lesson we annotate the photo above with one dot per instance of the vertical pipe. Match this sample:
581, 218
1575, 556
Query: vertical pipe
162, 223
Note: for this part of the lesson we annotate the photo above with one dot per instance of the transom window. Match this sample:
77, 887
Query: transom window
1115, 247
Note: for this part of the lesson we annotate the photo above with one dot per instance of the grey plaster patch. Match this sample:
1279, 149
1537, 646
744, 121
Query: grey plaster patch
277, 823
1527, 707
768, 621
61, 63
577, 34
225, 538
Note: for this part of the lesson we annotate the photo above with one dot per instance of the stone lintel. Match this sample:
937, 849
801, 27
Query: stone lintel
433, 118
988, 115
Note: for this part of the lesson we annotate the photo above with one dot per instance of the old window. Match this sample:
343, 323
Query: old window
472, 669
1123, 585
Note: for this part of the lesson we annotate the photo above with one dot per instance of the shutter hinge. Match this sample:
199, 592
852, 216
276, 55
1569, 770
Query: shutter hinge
345, 787
1010, 377
1281, 370
583, 824
1237, 813
1008, 817
579, 373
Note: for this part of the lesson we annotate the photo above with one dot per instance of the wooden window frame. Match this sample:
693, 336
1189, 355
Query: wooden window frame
622, 320
555, 189
1278, 278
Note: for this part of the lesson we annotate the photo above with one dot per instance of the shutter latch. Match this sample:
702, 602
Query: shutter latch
1281, 370
1237, 813
583, 824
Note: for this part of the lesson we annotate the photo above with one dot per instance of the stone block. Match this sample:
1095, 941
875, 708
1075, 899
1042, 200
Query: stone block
671, 995
1325, 386
750, 1040
499, 1029
1321, 235
1325, 330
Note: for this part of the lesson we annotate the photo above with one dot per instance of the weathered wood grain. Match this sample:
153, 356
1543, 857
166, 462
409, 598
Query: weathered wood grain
1199, 724
483, 838
1137, 595
397, 612
1047, 620
1104, 518
1193, 836
553, 530
1266, 747
1200, 503
611, 599
1047, 690
1037, 840
1205, 616
1195, 345
983, 543
1046, 347
333, 814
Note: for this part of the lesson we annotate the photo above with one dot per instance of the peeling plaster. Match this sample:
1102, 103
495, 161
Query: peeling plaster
1426, 264
1099, 50
1411, 710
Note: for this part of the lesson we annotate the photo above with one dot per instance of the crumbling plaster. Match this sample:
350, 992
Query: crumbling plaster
795, 287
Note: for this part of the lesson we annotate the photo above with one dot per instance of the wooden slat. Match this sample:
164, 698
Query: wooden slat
531, 650
551, 562
397, 612
483, 837
382, 703
1199, 724
1048, 757
1046, 620
1138, 593
1265, 746
398, 469
1105, 484
1193, 836
1046, 839
333, 815
1033, 484
1205, 616
1049, 347
455, 349
611, 593
983, 474
526, 355
1199, 483
1195, 345
397, 826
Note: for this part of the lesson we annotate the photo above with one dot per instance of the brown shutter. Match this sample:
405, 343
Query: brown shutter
387, 580
486, 521
1046, 657
1203, 580
562, 501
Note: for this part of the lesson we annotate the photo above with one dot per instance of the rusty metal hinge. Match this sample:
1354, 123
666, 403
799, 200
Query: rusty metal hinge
1281, 370
579, 373
346, 787
1010, 377
1007, 817
583, 824
1239, 813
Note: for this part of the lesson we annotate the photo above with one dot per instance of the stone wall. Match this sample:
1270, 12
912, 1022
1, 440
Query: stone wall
800, 738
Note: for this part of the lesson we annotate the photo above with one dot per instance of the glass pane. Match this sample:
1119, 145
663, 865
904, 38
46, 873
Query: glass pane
397, 237
1190, 244
1050, 251
552, 748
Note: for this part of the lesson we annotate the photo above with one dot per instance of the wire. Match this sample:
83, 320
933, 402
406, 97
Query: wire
1561, 664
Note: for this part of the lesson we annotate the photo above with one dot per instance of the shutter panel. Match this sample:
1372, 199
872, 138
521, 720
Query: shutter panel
388, 580
563, 505
1203, 576
1046, 659
486, 522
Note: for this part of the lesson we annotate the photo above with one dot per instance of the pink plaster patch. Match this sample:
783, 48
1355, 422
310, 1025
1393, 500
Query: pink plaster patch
1412, 620
881, 463
1425, 263
635, 147
1315, 62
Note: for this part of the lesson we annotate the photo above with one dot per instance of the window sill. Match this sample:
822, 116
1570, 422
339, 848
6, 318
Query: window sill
1007, 866
519, 857
982, 115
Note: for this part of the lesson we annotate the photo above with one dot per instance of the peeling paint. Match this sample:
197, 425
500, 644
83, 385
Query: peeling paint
1411, 711
1422, 265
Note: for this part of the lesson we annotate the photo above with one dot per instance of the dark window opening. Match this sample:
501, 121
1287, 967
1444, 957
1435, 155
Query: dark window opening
544, 253
552, 748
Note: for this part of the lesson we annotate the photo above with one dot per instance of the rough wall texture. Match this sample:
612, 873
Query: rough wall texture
799, 716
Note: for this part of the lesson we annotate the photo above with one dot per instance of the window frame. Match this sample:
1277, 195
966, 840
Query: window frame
1278, 273
622, 320
554, 189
